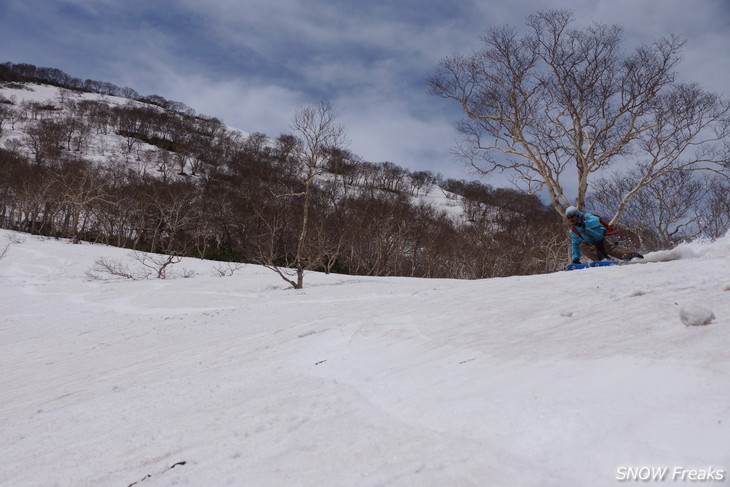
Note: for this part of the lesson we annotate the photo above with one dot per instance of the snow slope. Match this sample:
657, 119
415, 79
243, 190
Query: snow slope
101, 148
104, 149
565, 379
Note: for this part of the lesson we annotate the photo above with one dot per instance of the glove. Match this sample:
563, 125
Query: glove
576, 261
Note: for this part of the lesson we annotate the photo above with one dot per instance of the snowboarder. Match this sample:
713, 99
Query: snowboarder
591, 237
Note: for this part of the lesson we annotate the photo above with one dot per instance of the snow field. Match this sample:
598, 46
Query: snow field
550, 380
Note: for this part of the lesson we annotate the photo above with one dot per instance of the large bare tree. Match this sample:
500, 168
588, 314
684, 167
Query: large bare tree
558, 103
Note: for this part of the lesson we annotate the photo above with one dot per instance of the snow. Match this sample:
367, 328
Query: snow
696, 315
42, 93
104, 148
218, 379
550, 380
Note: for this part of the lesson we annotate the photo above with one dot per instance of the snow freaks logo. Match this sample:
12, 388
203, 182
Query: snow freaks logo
676, 474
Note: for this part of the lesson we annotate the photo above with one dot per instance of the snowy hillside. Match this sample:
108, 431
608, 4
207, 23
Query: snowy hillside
27, 103
570, 379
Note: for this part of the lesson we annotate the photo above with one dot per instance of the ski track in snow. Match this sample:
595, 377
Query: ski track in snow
550, 380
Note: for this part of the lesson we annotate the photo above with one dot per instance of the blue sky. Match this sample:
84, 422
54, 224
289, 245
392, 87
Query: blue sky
252, 63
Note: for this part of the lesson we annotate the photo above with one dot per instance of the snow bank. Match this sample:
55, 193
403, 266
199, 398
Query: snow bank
693, 250
554, 380
696, 315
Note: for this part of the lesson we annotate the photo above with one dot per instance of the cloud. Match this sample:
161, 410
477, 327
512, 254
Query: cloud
369, 61
704, 25
249, 107
253, 63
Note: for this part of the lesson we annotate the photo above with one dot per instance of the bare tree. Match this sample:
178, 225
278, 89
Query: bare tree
174, 206
157, 264
421, 180
5, 113
45, 140
149, 265
227, 269
80, 185
318, 135
561, 101
4, 251
678, 206
104, 266
717, 208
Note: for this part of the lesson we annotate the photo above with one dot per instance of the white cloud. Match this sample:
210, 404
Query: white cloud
253, 63
248, 107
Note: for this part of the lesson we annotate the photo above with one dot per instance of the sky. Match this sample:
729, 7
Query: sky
253, 63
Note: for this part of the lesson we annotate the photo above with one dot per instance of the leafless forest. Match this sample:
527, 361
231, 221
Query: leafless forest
154, 176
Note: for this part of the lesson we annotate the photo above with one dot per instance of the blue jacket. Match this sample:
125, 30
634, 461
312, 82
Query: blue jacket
588, 229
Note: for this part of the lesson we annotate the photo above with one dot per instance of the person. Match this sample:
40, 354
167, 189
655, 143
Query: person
591, 238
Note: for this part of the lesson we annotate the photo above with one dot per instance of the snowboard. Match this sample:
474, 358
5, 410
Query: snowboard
598, 263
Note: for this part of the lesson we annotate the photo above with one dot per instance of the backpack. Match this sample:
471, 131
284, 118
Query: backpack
610, 229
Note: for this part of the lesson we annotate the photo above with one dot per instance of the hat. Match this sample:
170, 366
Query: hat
571, 210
